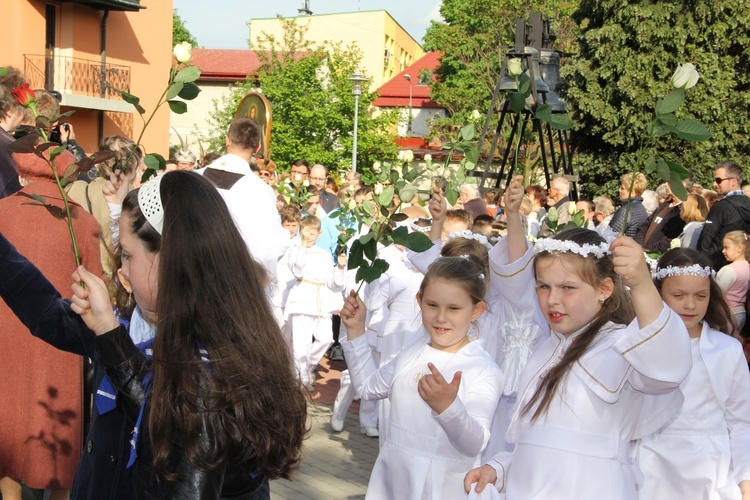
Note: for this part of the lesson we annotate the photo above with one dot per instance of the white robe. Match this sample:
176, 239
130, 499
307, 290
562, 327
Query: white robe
622, 389
705, 451
427, 455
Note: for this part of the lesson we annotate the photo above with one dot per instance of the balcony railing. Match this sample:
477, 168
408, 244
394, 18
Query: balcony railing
70, 75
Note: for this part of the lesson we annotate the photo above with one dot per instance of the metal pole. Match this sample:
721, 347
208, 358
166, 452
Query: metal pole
354, 145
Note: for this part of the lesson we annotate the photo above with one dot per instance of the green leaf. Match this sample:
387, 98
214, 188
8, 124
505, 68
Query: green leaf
650, 164
3, 72
400, 235
371, 248
561, 122
524, 85
367, 237
469, 165
188, 74
57, 151
384, 211
467, 133
419, 242
472, 155
64, 115
177, 107
386, 197
370, 273
369, 207
675, 184
517, 102
356, 255
663, 169
669, 119
26, 144
671, 102
399, 217
678, 169
189, 91
544, 113
174, 90
155, 161
692, 130
451, 194
36, 197
135, 101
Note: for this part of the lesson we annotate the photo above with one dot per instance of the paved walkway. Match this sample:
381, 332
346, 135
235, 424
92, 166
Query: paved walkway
334, 465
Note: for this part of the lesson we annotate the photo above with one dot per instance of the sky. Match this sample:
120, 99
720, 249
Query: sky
223, 24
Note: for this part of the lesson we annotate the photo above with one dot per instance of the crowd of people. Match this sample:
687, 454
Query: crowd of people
510, 359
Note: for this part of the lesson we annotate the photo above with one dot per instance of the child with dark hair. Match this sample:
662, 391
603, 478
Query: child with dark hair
705, 450
443, 389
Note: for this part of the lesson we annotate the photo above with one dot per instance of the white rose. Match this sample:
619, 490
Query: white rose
475, 115
407, 193
183, 52
378, 188
515, 67
686, 76
376, 167
306, 183
401, 156
352, 204
408, 155
297, 177
428, 157
572, 208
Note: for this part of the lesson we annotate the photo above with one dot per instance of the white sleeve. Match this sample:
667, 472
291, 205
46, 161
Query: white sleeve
422, 260
369, 382
737, 415
296, 260
725, 278
115, 211
467, 423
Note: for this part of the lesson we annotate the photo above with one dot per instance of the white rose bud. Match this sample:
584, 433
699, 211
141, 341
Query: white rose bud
515, 67
572, 208
475, 115
428, 157
376, 167
306, 183
352, 204
297, 177
408, 155
685, 77
183, 52
378, 188
401, 156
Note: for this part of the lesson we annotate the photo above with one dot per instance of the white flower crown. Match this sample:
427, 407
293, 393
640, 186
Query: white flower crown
562, 246
469, 235
694, 270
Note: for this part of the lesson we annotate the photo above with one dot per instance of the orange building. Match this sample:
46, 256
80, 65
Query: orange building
88, 50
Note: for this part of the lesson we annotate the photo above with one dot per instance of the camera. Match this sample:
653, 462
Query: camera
55, 135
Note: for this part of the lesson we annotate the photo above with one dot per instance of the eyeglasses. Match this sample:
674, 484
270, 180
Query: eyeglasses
265, 173
318, 179
719, 180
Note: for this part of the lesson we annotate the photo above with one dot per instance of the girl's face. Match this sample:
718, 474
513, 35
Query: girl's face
731, 250
688, 296
139, 267
447, 313
567, 301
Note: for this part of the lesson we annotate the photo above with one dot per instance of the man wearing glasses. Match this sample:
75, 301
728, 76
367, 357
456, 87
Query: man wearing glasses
318, 177
729, 214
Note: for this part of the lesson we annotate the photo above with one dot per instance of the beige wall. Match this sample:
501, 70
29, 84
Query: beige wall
194, 124
141, 40
373, 32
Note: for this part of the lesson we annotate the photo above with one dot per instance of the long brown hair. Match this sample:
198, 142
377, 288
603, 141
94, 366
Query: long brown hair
212, 295
618, 308
718, 315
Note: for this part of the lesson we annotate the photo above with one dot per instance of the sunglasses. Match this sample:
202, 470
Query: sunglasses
719, 180
265, 173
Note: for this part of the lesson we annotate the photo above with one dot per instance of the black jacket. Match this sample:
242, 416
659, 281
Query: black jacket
636, 216
102, 472
730, 214
666, 228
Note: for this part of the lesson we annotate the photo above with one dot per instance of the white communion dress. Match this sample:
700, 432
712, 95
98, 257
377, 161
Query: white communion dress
425, 455
705, 451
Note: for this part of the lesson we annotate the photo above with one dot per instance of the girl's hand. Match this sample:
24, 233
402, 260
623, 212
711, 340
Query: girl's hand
483, 476
353, 316
438, 206
745, 489
92, 303
630, 263
514, 195
341, 260
116, 188
436, 392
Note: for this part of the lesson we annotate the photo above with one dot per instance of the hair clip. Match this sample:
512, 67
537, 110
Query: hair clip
694, 270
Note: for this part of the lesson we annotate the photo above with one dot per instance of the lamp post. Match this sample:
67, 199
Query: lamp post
357, 78
408, 79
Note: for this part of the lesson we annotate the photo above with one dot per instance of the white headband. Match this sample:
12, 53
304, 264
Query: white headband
149, 201
469, 235
694, 270
563, 246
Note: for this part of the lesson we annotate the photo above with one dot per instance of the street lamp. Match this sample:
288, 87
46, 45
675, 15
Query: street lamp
357, 78
408, 79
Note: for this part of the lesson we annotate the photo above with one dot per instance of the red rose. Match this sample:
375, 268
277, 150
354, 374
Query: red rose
24, 95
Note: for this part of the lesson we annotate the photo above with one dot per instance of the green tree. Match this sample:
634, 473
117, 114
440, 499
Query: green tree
474, 38
628, 51
312, 105
180, 32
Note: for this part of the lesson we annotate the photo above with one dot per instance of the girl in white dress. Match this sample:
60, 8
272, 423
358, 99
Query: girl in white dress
704, 453
443, 390
600, 381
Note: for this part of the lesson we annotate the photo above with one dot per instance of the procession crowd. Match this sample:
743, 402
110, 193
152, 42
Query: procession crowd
510, 359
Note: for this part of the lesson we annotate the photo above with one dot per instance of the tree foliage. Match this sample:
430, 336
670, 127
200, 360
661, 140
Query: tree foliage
312, 104
180, 32
474, 37
628, 50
